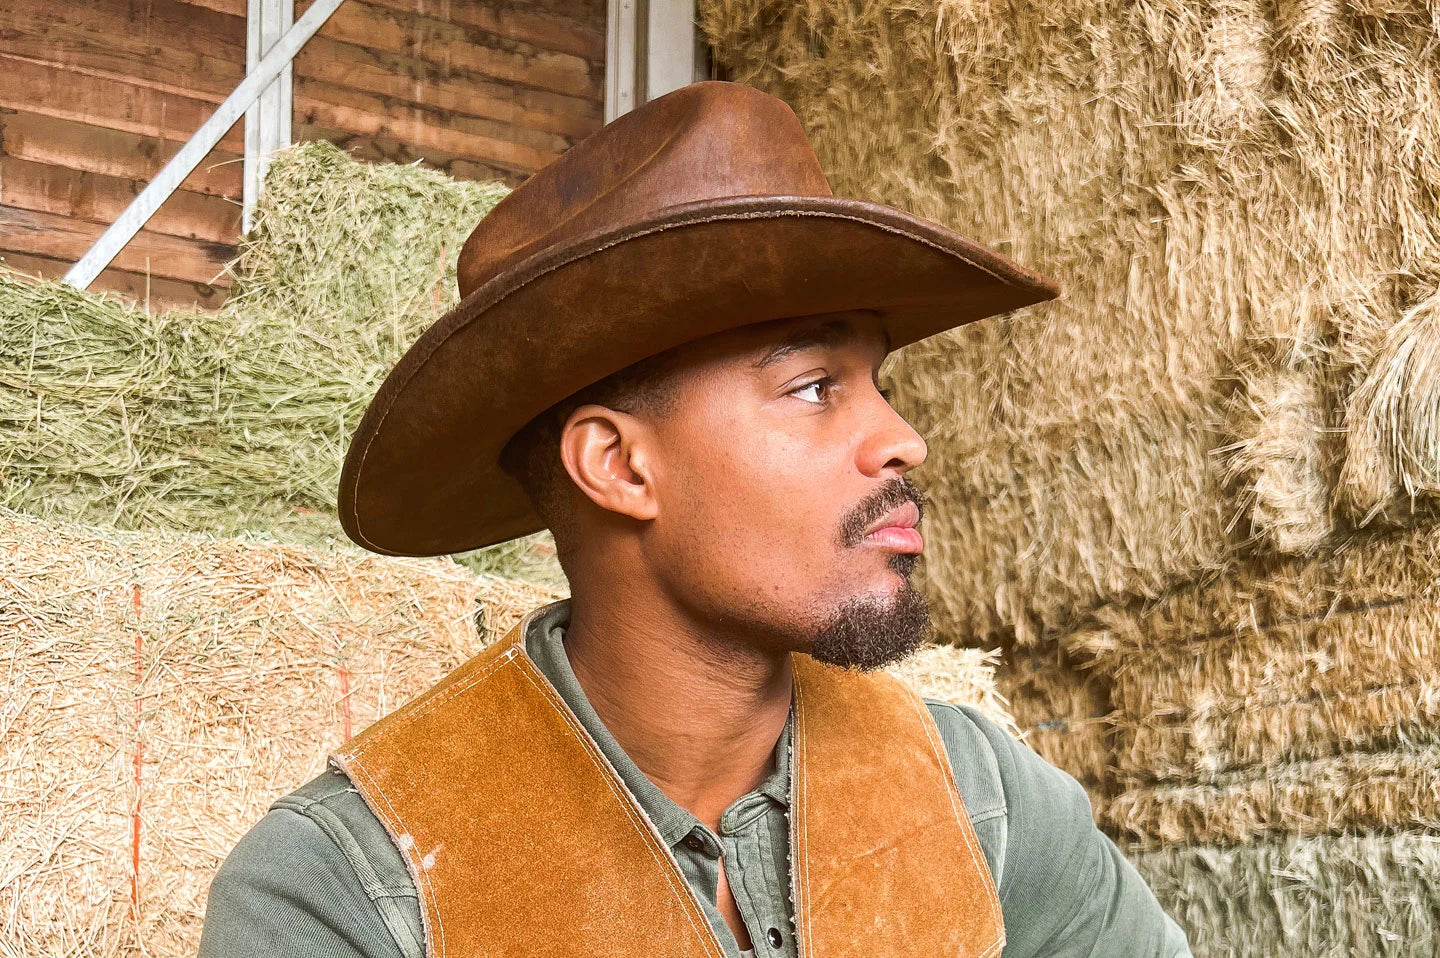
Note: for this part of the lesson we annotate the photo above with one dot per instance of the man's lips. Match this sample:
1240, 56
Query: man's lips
896, 530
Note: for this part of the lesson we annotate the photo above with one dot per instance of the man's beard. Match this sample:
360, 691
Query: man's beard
869, 632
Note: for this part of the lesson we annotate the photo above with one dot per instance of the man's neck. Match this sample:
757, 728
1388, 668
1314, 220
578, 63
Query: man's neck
698, 714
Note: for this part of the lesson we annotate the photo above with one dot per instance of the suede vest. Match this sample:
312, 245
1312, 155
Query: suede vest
522, 839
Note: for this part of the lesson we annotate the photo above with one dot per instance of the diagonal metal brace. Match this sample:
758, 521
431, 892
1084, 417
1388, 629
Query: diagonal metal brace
183, 163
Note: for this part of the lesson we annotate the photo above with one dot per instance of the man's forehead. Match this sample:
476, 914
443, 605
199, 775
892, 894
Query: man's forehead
783, 338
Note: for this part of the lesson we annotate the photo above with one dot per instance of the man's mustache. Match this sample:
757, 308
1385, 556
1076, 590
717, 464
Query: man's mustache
873, 507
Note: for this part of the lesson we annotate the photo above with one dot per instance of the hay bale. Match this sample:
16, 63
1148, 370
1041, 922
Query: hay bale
1352, 791
1063, 713
1283, 661
1393, 418
1234, 198
1341, 897
960, 677
161, 690
234, 420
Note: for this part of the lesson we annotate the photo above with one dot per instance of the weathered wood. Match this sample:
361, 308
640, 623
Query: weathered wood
94, 149
161, 293
103, 39
466, 48
171, 46
323, 104
66, 238
104, 102
414, 80
101, 199
565, 26
579, 31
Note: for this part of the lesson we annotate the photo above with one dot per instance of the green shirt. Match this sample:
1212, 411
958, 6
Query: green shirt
318, 875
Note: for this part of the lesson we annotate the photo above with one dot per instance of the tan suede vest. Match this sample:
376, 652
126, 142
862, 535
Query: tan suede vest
523, 841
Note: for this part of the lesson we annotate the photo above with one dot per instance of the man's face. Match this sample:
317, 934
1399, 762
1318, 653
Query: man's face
784, 508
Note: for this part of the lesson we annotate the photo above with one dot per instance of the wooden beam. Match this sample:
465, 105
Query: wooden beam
101, 199
95, 149
581, 31
326, 105
64, 238
565, 26
99, 40
100, 101
465, 48
412, 79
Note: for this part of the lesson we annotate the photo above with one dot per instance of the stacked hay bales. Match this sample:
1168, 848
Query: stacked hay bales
1238, 392
1236, 199
1276, 749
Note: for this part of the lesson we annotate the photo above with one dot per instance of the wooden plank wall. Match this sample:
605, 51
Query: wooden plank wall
96, 96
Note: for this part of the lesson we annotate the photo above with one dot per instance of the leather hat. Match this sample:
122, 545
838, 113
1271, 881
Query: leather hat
699, 211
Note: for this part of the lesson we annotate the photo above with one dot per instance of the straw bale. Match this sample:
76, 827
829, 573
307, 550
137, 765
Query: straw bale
1280, 464
161, 690
1330, 897
1063, 713
1393, 417
1228, 192
238, 419
960, 677
1209, 739
1355, 790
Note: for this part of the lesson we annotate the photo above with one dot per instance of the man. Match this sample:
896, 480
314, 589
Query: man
667, 353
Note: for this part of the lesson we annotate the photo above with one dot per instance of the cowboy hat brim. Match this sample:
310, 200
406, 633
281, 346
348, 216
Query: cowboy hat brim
422, 474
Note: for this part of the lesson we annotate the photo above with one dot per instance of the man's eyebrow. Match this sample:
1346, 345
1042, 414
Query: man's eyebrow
826, 334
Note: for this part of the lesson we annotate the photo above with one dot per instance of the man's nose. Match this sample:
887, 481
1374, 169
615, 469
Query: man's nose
893, 447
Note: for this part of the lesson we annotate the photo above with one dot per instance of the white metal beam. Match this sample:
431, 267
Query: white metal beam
83, 273
651, 48
267, 122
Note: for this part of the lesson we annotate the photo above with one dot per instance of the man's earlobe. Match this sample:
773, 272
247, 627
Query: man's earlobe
603, 450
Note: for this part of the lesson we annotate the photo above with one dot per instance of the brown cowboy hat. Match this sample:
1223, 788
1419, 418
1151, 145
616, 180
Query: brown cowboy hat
700, 211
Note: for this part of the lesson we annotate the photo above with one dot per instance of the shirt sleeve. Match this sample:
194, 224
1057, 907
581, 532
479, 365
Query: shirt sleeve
1066, 891
288, 891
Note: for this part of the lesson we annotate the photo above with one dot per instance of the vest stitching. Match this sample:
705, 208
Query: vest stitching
420, 873
957, 805
648, 838
801, 854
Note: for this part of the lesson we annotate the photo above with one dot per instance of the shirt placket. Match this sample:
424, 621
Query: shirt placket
755, 869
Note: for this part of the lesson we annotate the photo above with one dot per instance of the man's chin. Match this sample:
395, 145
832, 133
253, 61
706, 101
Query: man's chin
870, 632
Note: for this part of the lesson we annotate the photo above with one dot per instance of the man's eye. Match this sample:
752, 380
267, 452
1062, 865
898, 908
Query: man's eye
820, 389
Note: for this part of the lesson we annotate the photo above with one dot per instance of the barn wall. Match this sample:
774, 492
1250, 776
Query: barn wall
99, 95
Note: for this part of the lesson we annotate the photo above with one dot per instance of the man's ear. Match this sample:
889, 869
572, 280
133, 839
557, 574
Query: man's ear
604, 451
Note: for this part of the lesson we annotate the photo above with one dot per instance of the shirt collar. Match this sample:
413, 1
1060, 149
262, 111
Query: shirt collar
544, 645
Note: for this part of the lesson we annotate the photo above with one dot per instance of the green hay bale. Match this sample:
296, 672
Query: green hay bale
1353, 896
238, 419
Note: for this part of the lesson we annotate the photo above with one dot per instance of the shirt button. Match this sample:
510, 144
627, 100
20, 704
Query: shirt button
773, 936
696, 843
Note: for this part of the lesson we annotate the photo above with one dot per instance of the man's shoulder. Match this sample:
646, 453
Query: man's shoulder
336, 807
319, 864
974, 744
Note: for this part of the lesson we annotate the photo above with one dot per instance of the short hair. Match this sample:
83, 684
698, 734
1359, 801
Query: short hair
532, 455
